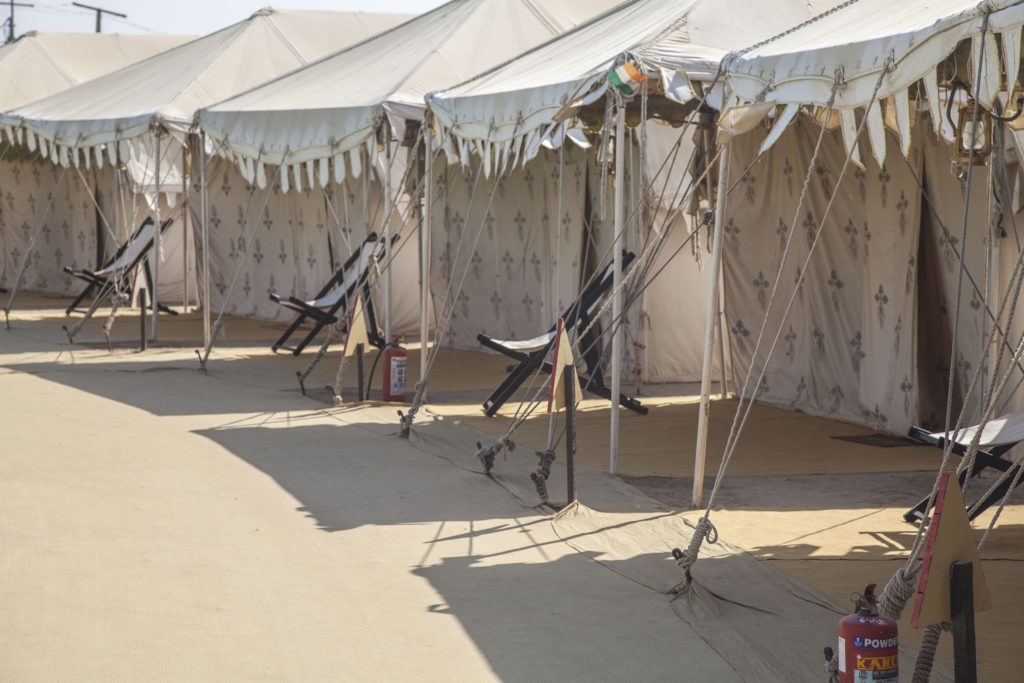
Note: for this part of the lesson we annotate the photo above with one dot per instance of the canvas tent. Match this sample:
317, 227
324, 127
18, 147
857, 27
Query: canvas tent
872, 322
326, 123
517, 121
36, 65
130, 114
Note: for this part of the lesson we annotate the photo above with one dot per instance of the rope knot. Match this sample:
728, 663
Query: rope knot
704, 530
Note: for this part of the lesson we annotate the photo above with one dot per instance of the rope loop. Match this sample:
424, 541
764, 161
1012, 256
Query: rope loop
897, 592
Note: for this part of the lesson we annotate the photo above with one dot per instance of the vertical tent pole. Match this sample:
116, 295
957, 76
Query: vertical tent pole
720, 312
387, 231
428, 164
620, 213
204, 228
153, 296
709, 330
184, 220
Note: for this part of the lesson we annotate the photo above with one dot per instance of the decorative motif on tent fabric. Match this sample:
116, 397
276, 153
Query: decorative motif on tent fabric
901, 206
851, 232
520, 220
508, 262
763, 388
861, 176
749, 190
310, 257
819, 343
740, 334
837, 396
975, 301
732, 237
800, 391
882, 299
787, 171
867, 241
884, 178
825, 177
907, 387
46, 233
268, 222
32, 203
857, 351
247, 286
811, 228
489, 224
798, 283
782, 230
762, 289
81, 243
271, 285
528, 306
214, 217
282, 253
16, 172
790, 340
476, 262
225, 185
835, 284
876, 419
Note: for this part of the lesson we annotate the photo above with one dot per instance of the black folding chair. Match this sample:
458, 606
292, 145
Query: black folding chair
116, 274
531, 353
999, 436
331, 302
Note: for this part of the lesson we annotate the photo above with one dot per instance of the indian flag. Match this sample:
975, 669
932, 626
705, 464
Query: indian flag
627, 78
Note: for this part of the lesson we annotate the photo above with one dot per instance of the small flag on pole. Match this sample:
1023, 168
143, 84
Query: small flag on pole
561, 357
626, 78
356, 330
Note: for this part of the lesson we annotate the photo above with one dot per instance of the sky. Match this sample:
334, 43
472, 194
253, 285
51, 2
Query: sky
185, 17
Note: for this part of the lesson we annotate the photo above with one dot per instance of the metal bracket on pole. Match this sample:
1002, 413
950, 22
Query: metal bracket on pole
205, 355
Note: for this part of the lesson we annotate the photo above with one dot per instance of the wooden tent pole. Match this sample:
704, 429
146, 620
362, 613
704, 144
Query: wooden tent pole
617, 327
709, 330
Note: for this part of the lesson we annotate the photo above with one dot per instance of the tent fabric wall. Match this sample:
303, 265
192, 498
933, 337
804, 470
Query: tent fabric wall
847, 349
509, 288
65, 234
69, 231
287, 248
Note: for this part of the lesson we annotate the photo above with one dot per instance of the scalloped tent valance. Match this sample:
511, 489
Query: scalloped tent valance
864, 45
317, 121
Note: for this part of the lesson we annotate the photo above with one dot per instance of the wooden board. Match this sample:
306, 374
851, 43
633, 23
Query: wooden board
949, 540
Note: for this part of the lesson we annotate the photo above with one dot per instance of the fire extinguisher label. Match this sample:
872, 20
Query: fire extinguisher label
842, 654
876, 643
877, 669
398, 375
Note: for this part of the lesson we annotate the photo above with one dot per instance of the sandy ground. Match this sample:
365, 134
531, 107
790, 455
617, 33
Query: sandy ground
234, 520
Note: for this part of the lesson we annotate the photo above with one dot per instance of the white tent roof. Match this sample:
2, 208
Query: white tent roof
334, 106
856, 42
39, 64
520, 100
169, 88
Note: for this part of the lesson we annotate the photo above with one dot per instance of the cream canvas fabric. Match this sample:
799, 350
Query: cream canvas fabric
330, 109
39, 63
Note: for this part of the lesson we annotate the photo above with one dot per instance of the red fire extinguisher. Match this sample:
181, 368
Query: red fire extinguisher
868, 643
393, 376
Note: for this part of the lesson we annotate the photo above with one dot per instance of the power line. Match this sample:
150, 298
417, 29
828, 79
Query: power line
10, 20
99, 14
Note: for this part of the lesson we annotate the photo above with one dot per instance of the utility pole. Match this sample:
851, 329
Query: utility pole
10, 21
99, 14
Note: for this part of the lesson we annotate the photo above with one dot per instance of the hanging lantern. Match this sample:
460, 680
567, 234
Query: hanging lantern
973, 137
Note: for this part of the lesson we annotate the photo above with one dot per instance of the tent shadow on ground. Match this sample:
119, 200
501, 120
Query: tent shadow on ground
174, 387
518, 645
